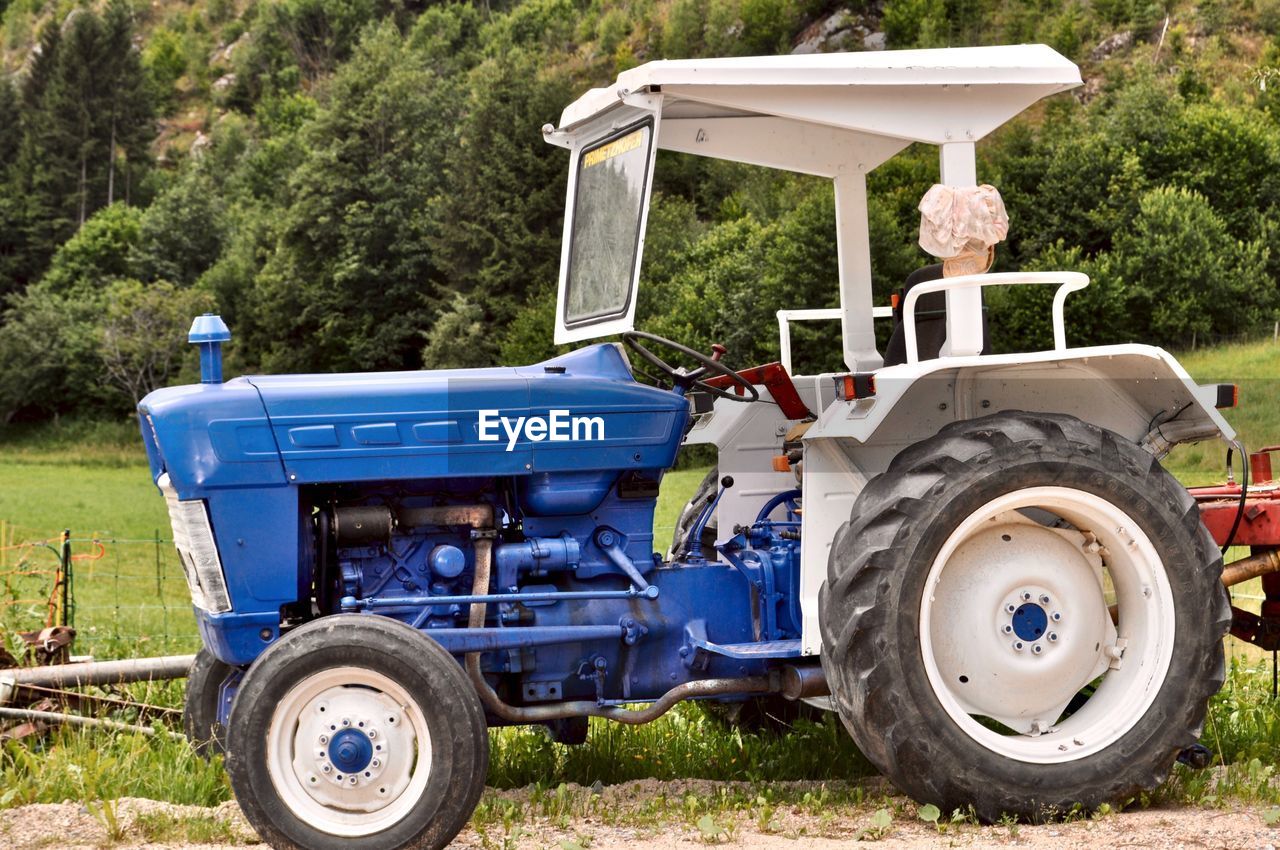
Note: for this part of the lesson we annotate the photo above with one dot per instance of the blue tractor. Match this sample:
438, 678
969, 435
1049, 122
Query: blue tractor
975, 559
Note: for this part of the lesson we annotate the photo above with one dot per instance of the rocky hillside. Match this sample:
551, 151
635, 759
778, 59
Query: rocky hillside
362, 184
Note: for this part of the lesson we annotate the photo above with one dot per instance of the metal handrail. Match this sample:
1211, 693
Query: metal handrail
1068, 282
785, 317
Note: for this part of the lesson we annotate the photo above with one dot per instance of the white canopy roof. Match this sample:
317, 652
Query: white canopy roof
834, 115
935, 96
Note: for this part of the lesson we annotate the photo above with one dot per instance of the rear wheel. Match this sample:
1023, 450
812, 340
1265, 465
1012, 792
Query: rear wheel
1023, 614
357, 732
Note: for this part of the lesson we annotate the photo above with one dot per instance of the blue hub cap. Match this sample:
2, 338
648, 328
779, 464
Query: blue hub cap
351, 751
1030, 621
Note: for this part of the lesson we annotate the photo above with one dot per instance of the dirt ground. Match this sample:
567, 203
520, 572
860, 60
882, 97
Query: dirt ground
642, 815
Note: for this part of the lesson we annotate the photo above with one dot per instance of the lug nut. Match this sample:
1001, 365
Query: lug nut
1037, 648
1017, 644
1057, 616
1008, 629
324, 768
1011, 607
373, 733
1044, 599
324, 739
375, 763
346, 722
1053, 636
1026, 595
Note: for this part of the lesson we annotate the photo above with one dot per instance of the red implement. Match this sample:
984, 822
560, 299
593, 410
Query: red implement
1259, 529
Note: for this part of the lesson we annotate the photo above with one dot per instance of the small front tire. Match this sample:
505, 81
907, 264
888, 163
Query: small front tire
357, 731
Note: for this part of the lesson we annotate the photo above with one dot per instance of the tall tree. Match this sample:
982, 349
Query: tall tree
129, 120
85, 103
10, 142
45, 167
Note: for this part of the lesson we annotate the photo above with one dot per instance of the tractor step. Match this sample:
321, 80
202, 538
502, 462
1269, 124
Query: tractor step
752, 651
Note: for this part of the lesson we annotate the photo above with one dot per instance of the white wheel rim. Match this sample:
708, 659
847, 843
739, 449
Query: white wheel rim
348, 751
998, 558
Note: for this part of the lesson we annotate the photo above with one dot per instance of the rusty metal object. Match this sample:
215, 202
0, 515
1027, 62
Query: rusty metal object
50, 645
1260, 520
1260, 563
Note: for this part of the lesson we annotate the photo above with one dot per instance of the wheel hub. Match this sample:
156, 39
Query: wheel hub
353, 749
1029, 618
1029, 621
350, 750
1047, 620
1017, 626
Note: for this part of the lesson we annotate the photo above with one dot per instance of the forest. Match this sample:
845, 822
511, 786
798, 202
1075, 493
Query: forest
363, 185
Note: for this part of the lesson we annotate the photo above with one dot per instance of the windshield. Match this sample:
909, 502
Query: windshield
607, 209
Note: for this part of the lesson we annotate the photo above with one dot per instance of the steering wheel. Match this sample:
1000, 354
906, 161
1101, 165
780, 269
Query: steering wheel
694, 378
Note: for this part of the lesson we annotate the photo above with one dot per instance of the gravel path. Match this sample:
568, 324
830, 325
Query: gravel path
651, 814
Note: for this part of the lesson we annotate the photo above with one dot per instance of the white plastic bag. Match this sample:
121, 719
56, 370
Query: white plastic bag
961, 219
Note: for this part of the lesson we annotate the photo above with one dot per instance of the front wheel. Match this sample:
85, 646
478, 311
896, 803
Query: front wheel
357, 732
1024, 614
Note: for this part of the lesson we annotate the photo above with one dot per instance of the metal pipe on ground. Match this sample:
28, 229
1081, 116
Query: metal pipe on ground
78, 720
95, 673
1260, 563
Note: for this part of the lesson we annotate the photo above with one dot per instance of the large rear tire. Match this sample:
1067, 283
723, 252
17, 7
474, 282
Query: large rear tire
965, 618
357, 731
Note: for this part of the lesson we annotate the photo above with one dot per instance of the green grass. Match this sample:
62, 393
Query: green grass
684, 744
1255, 368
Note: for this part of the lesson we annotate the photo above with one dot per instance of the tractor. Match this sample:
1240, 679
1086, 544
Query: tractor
975, 559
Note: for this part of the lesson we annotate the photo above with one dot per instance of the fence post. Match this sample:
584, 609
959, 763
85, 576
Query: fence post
64, 579
159, 587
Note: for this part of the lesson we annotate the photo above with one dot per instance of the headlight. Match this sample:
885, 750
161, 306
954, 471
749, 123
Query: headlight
193, 537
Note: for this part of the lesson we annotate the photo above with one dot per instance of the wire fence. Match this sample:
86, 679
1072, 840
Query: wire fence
1268, 330
128, 597
125, 597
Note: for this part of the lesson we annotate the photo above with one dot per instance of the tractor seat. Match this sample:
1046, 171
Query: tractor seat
931, 320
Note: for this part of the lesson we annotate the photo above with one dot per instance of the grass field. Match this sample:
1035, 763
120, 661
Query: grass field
92, 479
130, 598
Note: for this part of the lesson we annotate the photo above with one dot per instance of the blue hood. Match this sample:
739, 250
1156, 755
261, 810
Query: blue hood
296, 429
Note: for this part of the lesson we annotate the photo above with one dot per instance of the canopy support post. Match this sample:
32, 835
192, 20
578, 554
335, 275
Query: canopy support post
964, 306
853, 245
